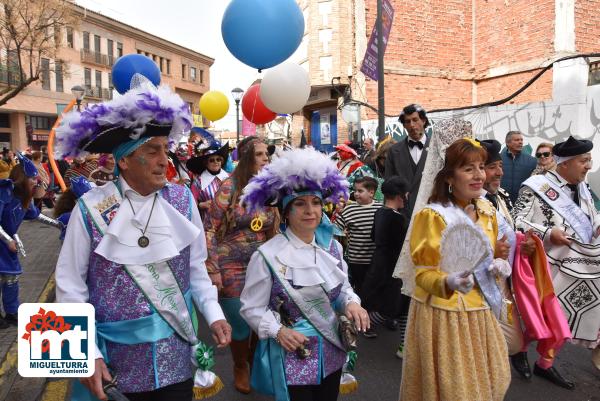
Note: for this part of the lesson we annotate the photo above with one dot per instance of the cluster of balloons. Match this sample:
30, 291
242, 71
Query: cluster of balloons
130, 69
263, 34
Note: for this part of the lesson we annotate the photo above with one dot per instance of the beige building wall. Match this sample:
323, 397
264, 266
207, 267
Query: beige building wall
32, 112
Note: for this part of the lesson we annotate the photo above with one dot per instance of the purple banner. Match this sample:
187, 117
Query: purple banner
369, 65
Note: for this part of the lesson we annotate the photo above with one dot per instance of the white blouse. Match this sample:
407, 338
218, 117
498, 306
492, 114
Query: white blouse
306, 265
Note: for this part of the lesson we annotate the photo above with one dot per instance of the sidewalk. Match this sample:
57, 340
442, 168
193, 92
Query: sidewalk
36, 285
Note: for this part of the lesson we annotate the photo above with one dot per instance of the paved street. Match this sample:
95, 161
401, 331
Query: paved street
378, 369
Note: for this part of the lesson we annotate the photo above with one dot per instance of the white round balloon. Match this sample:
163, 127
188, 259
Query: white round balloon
285, 88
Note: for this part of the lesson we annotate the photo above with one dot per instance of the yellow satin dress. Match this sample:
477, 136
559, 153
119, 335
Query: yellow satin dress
454, 347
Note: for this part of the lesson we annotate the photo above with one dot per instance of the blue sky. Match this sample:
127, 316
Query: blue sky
193, 24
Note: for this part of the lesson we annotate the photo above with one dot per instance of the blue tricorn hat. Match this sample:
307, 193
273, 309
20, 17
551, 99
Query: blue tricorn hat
28, 167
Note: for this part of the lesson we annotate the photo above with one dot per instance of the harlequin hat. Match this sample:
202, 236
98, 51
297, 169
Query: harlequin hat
138, 115
28, 166
295, 173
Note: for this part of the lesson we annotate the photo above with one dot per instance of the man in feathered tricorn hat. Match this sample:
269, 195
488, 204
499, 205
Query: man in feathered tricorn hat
131, 238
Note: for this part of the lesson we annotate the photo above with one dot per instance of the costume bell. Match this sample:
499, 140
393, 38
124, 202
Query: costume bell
16, 205
559, 207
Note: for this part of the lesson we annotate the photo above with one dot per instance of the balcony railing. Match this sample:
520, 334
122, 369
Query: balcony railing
88, 56
98, 93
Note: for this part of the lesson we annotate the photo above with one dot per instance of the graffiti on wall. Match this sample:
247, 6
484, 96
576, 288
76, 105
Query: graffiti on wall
539, 122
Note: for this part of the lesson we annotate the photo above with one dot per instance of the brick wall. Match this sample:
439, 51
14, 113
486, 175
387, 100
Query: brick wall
435, 53
512, 31
429, 92
503, 86
426, 60
587, 25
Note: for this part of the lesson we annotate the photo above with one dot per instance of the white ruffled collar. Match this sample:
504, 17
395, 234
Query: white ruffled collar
120, 241
206, 178
308, 264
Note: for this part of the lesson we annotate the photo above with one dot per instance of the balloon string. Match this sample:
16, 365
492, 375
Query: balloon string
254, 104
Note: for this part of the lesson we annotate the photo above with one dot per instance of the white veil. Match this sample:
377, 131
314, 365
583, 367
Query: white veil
445, 132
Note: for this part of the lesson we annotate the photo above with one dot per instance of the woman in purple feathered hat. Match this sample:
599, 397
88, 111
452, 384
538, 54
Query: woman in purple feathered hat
302, 343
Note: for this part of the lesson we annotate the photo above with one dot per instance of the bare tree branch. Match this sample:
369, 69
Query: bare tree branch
15, 91
30, 30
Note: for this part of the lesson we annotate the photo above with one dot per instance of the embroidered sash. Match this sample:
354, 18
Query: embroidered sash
313, 303
554, 196
156, 280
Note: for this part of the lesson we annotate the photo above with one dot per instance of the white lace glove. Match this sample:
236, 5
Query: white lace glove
501, 267
460, 281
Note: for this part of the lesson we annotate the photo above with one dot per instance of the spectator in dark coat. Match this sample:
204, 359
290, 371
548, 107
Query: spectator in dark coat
407, 157
517, 165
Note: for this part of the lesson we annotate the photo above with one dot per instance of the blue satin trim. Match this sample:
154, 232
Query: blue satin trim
288, 198
231, 308
147, 329
125, 149
268, 369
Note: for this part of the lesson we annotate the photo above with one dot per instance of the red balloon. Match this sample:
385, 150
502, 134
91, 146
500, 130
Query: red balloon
254, 109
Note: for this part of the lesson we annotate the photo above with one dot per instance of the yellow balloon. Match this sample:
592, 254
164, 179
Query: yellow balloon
214, 105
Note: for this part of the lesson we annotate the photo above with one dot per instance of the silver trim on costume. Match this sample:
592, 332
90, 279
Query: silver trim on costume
4, 237
20, 247
42, 218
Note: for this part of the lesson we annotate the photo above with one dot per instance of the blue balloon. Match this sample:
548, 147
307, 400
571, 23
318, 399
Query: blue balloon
262, 33
128, 65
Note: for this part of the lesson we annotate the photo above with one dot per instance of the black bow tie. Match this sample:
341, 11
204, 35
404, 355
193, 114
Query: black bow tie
412, 144
492, 198
573, 188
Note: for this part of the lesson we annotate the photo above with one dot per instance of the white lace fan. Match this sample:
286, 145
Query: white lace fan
463, 247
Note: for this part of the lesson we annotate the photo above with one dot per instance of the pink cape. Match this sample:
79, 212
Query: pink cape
538, 306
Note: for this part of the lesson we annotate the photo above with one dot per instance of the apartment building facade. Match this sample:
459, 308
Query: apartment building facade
85, 58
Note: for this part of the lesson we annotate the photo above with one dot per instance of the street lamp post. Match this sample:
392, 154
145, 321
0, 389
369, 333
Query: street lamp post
237, 94
79, 93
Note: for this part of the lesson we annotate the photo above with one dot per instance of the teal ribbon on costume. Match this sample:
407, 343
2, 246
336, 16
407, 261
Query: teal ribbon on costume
268, 369
147, 329
325, 232
231, 308
125, 149
288, 198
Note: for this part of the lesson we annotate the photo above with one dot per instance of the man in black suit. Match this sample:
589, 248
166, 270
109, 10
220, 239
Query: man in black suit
407, 157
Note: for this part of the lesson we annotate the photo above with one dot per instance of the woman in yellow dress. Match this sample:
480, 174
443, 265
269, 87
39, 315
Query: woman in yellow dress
454, 347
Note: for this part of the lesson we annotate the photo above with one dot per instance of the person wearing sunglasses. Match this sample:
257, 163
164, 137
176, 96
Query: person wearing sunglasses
208, 176
545, 159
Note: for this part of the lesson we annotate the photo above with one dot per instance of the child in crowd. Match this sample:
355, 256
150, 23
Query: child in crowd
356, 220
381, 293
